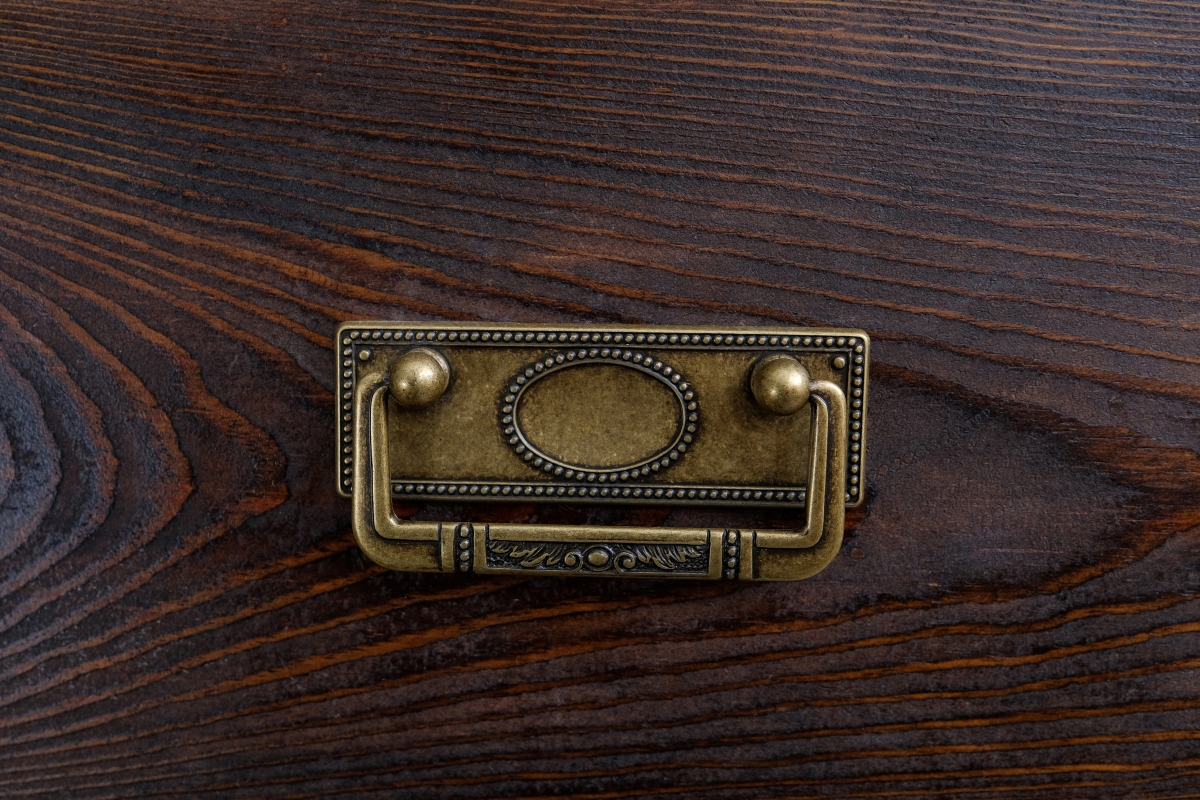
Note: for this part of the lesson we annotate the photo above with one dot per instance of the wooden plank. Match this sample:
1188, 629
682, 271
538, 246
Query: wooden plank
1004, 195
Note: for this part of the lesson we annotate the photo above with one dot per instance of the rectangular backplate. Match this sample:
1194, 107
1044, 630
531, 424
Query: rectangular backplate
602, 414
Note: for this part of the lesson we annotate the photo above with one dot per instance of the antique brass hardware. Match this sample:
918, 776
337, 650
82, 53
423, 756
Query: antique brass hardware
601, 414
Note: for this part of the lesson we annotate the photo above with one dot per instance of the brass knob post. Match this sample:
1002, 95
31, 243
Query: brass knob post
419, 378
780, 384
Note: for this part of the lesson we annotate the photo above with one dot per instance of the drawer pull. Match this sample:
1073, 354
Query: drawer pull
554, 414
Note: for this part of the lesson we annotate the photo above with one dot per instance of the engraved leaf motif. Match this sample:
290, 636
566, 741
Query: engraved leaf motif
662, 556
537, 554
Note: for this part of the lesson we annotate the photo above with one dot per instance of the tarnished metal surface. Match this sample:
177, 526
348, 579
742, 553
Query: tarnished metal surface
709, 416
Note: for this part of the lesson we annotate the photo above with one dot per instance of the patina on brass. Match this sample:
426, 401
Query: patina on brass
418, 378
780, 384
611, 414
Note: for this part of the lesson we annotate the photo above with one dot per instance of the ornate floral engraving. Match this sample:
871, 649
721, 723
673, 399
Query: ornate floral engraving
598, 557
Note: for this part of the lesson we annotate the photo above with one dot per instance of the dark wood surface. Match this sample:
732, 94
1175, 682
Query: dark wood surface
1005, 195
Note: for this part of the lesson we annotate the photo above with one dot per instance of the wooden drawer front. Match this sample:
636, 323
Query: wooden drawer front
194, 196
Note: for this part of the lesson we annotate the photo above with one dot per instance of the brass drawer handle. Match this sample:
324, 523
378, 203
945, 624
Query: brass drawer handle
608, 415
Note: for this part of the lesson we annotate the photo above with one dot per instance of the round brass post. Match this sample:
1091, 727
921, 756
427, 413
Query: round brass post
780, 384
419, 377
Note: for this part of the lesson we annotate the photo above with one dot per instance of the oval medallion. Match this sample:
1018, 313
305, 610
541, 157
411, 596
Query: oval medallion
599, 414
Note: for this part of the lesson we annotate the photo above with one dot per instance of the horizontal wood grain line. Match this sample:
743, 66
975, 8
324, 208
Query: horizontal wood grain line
982, 28
762, 207
12, 672
1118, 381
992, 724
833, 756
732, 100
819, 758
641, 74
632, 292
695, 67
69, 66
140, 61
908, 36
319, 279
993, 17
209, 657
816, 48
325, 660
681, 766
254, 343
614, 211
289, 673
1021, 11
1121, 770
586, 145
1021, 790
139, 31
1047, 207
1024, 790
623, 39
322, 339
325, 741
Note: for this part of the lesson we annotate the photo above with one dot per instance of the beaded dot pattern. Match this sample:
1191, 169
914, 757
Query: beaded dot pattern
464, 547
730, 554
507, 490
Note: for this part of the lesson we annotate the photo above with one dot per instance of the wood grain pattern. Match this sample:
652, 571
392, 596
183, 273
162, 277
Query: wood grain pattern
1004, 194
